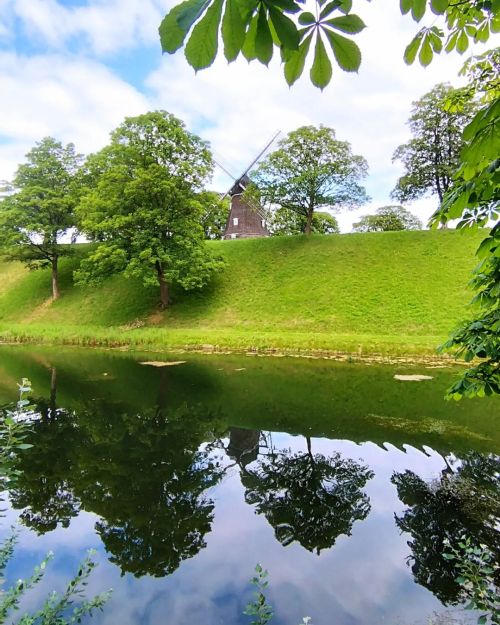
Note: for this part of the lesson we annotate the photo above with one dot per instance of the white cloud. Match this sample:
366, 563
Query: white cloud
107, 26
69, 98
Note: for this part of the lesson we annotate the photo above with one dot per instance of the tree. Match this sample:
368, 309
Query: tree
143, 208
388, 218
146, 475
432, 156
40, 208
306, 497
311, 170
287, 222
463, 501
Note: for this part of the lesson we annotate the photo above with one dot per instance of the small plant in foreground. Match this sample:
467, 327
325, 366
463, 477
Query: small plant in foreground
478, 575
259, 608
56, 609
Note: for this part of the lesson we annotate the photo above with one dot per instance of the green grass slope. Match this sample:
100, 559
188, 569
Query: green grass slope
394, 292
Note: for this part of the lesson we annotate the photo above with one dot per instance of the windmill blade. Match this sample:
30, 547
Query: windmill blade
224, 170
260, 155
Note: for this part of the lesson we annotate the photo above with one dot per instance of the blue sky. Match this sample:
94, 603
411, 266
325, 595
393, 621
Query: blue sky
74, 69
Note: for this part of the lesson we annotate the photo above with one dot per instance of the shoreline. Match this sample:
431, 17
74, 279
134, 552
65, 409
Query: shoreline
364, 349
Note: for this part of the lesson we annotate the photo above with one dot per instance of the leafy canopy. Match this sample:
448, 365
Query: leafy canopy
39, 208
388, 218
432, 155
311, 170
255, 28
142, 205
474, 198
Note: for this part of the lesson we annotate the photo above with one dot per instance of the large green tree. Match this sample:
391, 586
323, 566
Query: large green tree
39, 207
432, 155
388, 218
143, 206
311, 170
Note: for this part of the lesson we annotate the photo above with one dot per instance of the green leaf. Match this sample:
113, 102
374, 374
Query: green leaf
233, 30
306, 18
321, 70
462, 42
352, 24
248, 48
438, 7
418, 9
295, 64
190, 12
288, 6
405, 6
346, 52
345, 6
24, 446
411, 50
176, 24
426, 53
285, 29
263, 38
201, 49
329, 8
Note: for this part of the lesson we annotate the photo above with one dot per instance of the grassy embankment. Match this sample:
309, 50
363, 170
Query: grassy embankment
383, 293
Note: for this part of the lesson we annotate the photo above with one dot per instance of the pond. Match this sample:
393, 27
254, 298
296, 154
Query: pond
341, 480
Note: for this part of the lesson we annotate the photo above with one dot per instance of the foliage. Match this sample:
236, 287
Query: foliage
13, 433
143, 209
215, 214
311, 170
462, 501
56, 607
478, 574
432, 156
388, 218
256, 27
40, 209
287, 222
475, 200
142, 473
259, 608
306, 497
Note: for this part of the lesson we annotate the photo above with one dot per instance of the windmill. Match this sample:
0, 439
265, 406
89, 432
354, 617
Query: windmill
246, 220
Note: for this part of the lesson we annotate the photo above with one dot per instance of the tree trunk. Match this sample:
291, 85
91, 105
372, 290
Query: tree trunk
55, 278
53, 392
164, 299
307, 229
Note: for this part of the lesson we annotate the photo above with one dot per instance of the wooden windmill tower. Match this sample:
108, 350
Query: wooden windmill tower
246, 220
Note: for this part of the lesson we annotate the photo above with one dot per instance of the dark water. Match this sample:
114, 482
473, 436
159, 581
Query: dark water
340, 480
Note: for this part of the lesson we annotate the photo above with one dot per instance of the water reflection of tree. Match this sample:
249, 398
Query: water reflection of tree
308, 498
464, 500
145, 475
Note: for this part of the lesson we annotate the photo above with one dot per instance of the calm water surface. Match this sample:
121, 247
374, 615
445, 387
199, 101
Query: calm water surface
337, 478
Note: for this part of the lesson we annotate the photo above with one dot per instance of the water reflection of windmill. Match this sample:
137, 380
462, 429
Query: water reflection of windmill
246, 219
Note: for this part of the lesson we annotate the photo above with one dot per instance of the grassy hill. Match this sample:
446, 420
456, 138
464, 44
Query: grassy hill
393, 292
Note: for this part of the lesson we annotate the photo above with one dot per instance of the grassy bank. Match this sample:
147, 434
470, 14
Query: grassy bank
389, 293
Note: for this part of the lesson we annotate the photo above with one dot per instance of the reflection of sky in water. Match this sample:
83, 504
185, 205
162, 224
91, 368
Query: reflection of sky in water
364, 578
